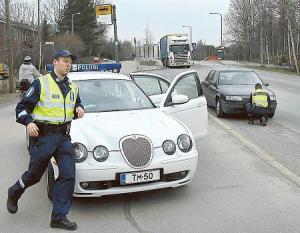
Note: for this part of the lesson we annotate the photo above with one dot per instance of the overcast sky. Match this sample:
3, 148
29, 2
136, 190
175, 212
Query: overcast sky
168, 16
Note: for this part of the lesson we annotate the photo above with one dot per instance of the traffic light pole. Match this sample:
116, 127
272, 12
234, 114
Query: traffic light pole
114, 21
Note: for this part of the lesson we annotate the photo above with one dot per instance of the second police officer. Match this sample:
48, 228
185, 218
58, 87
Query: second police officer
47, 110
258, 105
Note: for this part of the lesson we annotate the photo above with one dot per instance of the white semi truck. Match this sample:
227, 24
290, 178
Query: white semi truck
175, 50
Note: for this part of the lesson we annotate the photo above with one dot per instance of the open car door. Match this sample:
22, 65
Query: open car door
154, 86
185, 101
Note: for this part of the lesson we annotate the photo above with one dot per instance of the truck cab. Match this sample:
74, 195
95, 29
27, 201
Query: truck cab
175, 50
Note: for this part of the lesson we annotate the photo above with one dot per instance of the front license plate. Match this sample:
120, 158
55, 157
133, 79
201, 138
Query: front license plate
139, 177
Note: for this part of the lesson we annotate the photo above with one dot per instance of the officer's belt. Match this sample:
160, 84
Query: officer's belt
45, 128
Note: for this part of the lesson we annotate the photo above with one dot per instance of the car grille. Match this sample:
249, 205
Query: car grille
137, 150
180, 58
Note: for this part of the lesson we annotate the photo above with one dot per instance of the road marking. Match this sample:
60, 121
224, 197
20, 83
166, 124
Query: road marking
259, 152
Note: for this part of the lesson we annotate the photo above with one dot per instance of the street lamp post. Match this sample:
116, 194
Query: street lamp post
72, 23
190, 27
191, 48
216, 13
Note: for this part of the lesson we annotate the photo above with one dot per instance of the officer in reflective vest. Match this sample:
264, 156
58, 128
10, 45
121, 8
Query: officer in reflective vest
47, 110
258, 106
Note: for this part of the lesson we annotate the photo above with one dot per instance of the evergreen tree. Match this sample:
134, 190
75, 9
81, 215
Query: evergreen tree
85, 24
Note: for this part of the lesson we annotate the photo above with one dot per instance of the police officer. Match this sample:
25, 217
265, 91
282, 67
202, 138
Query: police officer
47, 110
27, 74
258, 105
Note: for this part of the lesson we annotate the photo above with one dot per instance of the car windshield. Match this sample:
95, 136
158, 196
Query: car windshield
107, 95
179, 48
238, 78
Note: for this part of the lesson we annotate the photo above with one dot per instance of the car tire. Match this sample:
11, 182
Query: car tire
271, 115
50, 180
219, 109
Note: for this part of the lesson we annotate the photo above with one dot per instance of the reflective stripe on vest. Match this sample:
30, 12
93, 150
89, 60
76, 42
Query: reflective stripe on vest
52, 107
260, 98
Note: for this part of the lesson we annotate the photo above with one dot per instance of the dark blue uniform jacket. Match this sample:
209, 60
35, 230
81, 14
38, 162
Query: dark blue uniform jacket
31, 98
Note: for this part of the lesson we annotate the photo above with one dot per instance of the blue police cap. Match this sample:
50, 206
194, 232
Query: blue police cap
64, 53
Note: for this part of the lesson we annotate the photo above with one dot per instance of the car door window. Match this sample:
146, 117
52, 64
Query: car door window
149, 85
164, 85
213, 78
188, 85
210, 76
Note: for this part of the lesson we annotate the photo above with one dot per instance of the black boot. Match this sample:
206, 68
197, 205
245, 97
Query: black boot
12, 203
63, 224
251, 121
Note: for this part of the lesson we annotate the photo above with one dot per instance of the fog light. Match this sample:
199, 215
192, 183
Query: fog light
84, 184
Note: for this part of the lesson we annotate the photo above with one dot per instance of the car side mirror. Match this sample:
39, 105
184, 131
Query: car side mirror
180, 99
267, 84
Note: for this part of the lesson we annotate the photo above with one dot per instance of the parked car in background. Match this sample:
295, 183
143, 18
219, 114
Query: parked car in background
229, 90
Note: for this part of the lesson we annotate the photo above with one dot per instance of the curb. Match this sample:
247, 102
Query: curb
260, 153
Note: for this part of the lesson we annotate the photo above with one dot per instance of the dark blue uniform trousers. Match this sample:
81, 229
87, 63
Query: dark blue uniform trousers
256, 112
42, 148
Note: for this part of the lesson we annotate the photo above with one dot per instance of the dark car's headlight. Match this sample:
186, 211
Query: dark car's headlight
100, 153
273, 97
234, 98
185, 143
81, 152
169, 147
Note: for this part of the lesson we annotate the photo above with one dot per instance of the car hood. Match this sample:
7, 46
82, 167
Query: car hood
107, 128
240, 90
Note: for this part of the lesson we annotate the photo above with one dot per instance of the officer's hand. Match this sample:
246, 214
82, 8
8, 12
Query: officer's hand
80, 112
32, 130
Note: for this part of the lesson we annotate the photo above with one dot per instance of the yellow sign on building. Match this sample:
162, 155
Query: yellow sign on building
103, 10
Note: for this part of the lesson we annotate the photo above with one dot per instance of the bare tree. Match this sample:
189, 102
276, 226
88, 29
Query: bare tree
148, 35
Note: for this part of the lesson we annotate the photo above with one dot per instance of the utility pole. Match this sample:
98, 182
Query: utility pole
9, 47
114, 21
39, 37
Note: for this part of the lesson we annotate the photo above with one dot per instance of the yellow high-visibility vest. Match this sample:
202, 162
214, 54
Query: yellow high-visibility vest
260, 98
52, 107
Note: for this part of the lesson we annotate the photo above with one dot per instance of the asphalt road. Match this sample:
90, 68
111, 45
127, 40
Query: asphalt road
238, 187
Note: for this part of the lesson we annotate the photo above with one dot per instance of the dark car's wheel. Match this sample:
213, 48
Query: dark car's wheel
271, 115
219, 109
50, 180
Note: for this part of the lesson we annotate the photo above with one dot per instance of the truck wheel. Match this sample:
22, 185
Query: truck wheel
167, 63
50, 180
219, 109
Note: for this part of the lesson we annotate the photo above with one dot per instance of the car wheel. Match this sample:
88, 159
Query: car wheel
271, 115
50, 180
219, 109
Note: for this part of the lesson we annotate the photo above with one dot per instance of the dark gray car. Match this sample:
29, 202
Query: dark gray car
229, 91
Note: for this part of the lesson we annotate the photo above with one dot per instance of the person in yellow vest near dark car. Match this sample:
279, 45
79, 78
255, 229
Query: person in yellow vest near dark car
47, 110
258, 105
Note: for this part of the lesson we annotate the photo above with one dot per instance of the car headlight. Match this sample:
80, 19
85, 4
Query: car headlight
234, 98
169, 147
185, 143
81, 152
100, 153
273, 98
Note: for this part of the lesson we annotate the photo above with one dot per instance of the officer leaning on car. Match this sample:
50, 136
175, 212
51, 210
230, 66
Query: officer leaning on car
258, 105
47, 110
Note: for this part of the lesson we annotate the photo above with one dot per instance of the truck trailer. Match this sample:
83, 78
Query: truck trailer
175, 50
